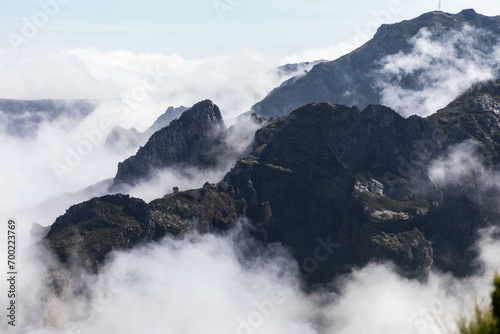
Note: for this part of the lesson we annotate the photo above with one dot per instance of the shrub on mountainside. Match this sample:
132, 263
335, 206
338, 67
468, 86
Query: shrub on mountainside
484, 320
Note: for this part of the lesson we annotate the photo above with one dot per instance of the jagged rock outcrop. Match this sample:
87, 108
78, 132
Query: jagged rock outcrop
207, 209
354, 79
470, 199
474, 115
194, 140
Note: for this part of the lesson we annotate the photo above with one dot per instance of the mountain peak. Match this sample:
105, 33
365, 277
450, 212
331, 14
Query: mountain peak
468, 12
371, 74
204, 111
191, 139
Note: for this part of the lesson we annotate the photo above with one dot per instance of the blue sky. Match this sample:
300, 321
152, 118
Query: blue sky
198, 28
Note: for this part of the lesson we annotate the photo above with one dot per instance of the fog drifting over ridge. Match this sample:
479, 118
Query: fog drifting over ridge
200, 284
443, 66
234, 81
132, 90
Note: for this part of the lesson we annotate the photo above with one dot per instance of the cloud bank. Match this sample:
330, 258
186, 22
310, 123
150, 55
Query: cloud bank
203, 284
131, 90
235, 81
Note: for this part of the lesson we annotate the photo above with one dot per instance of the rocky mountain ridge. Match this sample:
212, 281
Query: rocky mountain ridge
361, 182
358, 180
190, 140
354, 79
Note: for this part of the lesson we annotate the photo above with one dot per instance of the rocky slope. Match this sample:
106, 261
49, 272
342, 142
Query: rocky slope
87, 232
474, 115
191, 140
339, 186
354, 79
470, 188
90, 230
331, 172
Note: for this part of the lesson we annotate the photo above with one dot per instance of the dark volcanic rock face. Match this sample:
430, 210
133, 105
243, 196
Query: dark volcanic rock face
208, 209
192, 140
330, 171
90, 230
470, 200
339, 186
87, 232
361, 178
474, 115
354, 79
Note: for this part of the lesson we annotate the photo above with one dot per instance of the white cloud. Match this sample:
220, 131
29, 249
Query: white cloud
132, 90
234, 81
201, 284
331, 52
442, 67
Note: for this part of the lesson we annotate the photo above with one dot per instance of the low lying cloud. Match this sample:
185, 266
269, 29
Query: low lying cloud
463, 169
189, 286
202, 284
377, 298
235, 82
131, 90
328, 53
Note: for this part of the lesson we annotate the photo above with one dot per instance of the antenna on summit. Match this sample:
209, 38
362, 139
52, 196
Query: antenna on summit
439, 4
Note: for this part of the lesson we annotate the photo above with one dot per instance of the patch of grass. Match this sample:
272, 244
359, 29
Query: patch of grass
482, 321
279, 168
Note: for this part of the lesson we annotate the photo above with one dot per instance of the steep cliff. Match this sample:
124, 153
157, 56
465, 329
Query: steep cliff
191, 140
